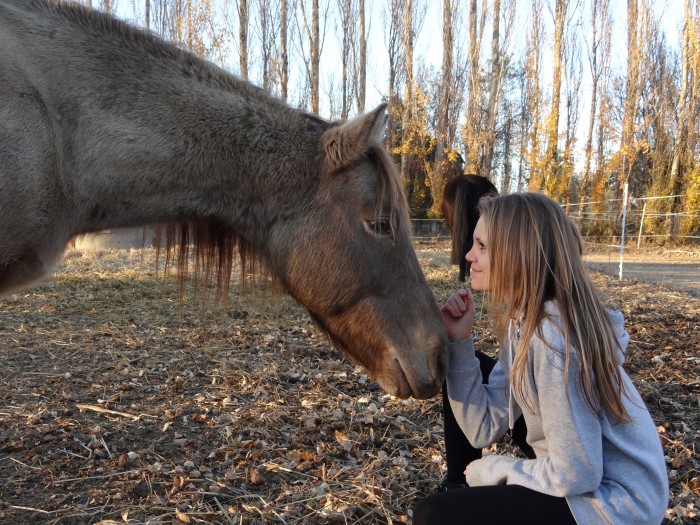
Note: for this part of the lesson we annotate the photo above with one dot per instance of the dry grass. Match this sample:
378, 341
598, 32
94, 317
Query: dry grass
114, 408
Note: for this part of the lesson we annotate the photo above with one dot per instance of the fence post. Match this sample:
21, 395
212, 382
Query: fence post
641, 224
624, 221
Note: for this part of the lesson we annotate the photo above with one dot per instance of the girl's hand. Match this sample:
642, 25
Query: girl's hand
458, 315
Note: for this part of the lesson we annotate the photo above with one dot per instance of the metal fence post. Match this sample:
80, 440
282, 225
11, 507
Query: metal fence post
624, 220
641, 224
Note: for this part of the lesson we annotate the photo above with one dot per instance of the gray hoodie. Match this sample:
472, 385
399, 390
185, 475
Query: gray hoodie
609, 473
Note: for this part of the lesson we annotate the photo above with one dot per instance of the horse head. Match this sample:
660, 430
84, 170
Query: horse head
350, 261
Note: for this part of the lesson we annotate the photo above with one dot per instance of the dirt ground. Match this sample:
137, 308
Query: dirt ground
678, 269
117, 407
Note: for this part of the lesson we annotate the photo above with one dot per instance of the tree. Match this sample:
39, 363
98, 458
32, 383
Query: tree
283, 52
393, 38
361, 61
409, 102
553, 167
532, 172
311, 32
494, 93
631, 92
681, 157
598, 57
441, 167
243, 37
471, 132
347, 26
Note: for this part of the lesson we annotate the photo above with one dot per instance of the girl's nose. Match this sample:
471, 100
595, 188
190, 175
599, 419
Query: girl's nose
467, 256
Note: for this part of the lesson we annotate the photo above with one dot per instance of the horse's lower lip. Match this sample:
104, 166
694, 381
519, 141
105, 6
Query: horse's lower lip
406, 389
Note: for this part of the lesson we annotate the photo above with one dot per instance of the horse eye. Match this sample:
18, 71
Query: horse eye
380, 226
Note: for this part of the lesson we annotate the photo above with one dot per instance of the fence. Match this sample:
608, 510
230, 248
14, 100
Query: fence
625, 222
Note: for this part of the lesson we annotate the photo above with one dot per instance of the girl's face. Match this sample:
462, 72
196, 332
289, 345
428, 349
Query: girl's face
478, 256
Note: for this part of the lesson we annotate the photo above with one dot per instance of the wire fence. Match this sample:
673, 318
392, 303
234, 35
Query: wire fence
617, 224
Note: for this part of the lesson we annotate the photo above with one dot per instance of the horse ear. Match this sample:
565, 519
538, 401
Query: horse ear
346, 142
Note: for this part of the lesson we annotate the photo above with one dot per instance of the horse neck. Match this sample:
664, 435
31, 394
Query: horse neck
156, 135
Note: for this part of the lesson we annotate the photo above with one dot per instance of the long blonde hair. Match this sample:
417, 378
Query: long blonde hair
535, 256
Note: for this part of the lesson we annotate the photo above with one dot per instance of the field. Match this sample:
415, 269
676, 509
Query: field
117, 406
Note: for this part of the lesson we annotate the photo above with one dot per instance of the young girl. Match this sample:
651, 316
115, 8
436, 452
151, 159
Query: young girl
593, 455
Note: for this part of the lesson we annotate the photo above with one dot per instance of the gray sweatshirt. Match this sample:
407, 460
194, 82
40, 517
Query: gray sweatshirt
609, 473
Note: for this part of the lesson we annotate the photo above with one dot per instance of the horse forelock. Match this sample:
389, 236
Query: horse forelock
389, 188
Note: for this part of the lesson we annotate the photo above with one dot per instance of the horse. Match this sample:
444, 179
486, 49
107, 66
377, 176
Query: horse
460, 210
104, 125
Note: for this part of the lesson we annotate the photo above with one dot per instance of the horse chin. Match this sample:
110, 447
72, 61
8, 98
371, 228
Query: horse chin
397, 383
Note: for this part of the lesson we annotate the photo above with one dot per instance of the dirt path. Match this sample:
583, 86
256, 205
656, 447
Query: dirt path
676, 270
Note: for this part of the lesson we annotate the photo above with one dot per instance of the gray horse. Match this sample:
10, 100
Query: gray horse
103, 125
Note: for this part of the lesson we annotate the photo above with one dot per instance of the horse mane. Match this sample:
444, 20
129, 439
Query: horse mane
148, 42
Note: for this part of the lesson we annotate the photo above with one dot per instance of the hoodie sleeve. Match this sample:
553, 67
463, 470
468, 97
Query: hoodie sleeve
481, 410
572, 432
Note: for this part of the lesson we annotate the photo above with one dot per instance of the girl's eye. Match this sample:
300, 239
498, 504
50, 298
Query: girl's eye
380, 226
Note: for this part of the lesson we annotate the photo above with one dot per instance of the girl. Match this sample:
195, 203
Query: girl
593, 455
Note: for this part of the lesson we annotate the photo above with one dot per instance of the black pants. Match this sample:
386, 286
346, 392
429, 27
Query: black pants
497, 504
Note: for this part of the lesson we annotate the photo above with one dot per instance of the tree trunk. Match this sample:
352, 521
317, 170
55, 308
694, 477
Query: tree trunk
284, 60
345, 8
631, 91
362, 82
440, 168
408, 99
679, 152
596, 8
554, 169
494, 92
315, 57
243, 37
533, 101
394, 48
471, 129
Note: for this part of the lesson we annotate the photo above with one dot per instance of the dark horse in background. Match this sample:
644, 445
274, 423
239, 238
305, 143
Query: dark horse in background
459, 209
103, 125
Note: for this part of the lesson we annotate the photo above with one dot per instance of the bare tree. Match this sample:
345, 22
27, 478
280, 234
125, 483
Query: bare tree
361, 61
243, 37
632, 90
553, 169
347, 30
600, 41
472, 130
409, 106
267, 28
680, 153
311, 33
563, 187
441, 165
532, 102
494, 92
393, 40
284, 54
315, 57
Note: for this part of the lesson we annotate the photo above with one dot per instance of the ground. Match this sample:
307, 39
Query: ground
118, 407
